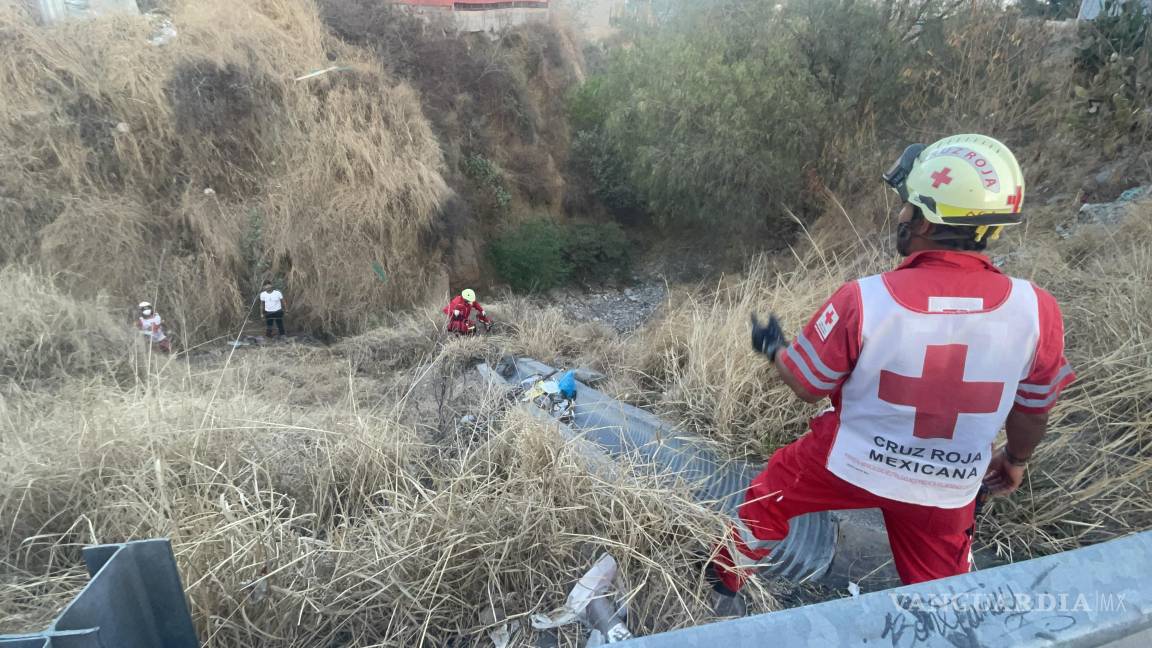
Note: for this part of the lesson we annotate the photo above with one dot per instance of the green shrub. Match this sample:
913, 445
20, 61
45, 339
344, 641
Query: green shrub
540, 255
532, 257
594, 156
733, 114
1113, 75
489, 180
598, 251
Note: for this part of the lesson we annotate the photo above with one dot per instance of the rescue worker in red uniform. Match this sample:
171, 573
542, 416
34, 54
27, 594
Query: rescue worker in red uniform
459, 312
923, 366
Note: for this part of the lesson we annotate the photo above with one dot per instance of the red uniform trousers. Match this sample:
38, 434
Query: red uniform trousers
927, 542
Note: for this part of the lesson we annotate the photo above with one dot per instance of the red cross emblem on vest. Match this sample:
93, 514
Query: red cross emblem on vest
940, 394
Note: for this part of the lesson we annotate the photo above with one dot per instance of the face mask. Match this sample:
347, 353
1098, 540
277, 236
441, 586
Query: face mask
904, 239
147, 312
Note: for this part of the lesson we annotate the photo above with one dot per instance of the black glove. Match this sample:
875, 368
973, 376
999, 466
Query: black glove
768, 339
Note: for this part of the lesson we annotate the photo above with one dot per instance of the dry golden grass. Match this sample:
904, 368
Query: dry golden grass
113, 142
47, 334
331, 524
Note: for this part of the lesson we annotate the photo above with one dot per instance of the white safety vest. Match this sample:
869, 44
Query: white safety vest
930, 391
151, 326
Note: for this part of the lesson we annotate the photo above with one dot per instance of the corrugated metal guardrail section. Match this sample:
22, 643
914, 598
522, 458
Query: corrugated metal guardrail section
624, 430
1095, 596
134, 600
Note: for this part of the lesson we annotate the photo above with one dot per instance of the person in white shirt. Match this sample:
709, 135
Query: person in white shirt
272, 309
151, 326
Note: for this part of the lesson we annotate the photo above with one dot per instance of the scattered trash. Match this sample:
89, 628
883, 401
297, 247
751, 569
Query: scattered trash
547, 395
502, 636
209, 191
123, 127
853, 589
379, 270
494, 614
163, 30
589, 603
334, 68
567, 384
259, 587
1113, 212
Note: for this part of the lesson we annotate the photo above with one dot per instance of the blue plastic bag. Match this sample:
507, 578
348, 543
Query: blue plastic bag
567, 385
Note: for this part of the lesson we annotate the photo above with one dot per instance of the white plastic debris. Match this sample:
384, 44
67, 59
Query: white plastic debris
492, 614
163, 31
209, 191
588, 604
502, 636
123, 127
316, 73
853, 589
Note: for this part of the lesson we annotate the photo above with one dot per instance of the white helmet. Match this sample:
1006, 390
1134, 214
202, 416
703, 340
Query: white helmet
968, 180
144, 305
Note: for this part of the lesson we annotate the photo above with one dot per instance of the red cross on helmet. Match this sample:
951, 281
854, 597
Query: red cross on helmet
967, 180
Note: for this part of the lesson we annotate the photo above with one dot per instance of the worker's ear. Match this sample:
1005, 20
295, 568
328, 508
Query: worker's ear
923, 227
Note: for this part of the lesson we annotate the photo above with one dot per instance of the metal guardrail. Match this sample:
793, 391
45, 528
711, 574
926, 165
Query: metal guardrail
134, 600
1095, 596
625, 430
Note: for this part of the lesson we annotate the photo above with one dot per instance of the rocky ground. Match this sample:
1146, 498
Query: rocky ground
623, 309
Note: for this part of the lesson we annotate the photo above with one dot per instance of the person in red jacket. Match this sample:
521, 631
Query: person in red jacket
459, 312
923, 365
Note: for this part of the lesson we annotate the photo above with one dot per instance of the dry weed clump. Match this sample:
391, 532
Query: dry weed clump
203, 165
358, 196
329, 525
1092, 480
523, 328
698, 360
44, 333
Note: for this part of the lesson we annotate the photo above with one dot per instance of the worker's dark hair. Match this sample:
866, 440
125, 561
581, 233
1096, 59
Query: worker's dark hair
954, 236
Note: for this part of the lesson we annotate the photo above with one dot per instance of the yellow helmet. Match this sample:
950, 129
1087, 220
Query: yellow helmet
468, 294
966, 180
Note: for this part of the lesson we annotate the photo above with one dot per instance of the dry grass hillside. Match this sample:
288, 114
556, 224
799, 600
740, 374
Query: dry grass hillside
186, 173
373, 491
323, 496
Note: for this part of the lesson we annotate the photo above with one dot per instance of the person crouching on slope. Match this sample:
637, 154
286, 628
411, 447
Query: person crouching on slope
459, 312
150, 325
923, 365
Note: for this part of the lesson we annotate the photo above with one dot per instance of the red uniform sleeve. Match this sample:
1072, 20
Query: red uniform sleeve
480, 314
453, 305
825, 352
1050, 372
